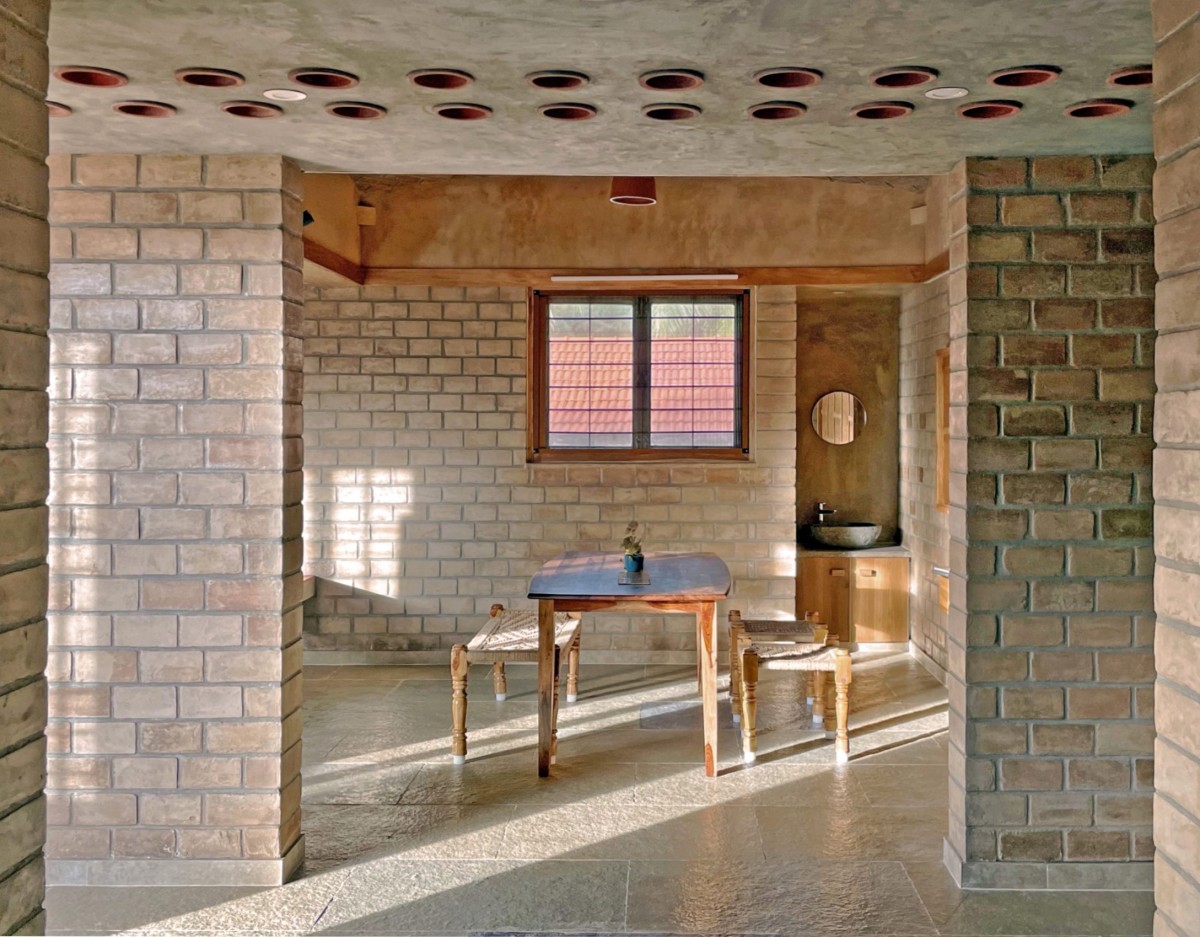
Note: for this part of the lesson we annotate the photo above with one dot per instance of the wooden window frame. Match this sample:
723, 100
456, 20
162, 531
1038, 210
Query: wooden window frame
941, 375
537, 395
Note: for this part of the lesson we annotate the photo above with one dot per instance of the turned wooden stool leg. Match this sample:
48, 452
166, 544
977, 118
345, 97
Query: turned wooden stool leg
812, 686
554, 710
829, 724
499, 681
573, 671
735, 653
749, 706
459, 667
841, 678
818, 706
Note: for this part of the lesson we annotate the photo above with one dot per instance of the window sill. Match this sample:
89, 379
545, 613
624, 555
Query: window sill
544, 456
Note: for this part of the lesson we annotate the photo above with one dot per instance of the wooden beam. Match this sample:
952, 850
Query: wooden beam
324, 257
540, 278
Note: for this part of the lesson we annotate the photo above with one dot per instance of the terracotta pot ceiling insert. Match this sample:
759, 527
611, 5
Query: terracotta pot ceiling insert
440, 79
1099, 107
671, 79
557, 80
777, 110
790, 77
255, 110
356, 110
54, 109
989, 110
323, 78
209, 77
670, 111
1024, 76
91, 76
567, 111
633, 190
882, 110
1135, 76
144, 108
904, 76
462, 111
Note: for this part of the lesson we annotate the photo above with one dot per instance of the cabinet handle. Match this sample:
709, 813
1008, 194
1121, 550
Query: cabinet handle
837, 572
868, 572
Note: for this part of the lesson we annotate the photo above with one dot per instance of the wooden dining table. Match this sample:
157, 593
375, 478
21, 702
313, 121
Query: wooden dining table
688, 583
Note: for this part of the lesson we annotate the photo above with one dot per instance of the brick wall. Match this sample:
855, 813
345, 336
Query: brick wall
1057, 346
1177, 469
175, 520
421, 512
24, 259
924, 328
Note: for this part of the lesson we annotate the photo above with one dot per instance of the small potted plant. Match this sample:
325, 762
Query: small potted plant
632, 545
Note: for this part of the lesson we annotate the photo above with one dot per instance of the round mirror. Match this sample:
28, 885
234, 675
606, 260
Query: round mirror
839, 417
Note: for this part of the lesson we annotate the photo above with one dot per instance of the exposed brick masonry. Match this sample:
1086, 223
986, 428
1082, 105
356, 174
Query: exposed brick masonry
175, 625
421, 511
1177, 469
24, 302
1057, 353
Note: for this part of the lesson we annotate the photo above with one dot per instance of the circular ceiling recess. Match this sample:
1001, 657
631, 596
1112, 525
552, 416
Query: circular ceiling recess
1024, 76
91, 75
1099, 107
1134, 76
209, 77
144, 108
323, 78
670, 111
904, 76
460, 111
440, 79
989, 110
256, 110
777, 110
882, 110
54, 109
790, 77
356, 110
567, 111
557, 80
672, 79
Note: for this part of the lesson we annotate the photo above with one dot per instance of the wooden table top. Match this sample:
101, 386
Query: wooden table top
674, 577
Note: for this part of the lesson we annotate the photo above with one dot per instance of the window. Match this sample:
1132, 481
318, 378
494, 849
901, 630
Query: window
647, 376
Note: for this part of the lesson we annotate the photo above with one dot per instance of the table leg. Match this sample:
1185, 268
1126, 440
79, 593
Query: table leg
707, 651
545, 665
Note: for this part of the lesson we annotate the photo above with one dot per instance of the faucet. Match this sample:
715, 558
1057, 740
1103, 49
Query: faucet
823, 512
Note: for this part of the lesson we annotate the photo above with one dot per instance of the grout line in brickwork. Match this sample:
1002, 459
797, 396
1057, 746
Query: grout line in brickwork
1182, 25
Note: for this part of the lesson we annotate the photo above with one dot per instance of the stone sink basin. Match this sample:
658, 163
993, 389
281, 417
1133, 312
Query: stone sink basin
853, 535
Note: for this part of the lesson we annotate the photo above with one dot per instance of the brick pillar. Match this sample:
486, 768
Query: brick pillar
1056, 348
175, 525
24, 304
1177, 470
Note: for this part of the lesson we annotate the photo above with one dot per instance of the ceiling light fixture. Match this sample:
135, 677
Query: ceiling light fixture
639, 277
633, 190
946, 93
284, 94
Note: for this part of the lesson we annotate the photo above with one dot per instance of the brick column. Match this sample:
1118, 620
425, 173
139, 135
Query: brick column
24, 304
175, 525
1056, 349
1177, 470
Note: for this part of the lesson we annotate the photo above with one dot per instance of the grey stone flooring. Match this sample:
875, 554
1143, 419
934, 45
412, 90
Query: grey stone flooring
627, 836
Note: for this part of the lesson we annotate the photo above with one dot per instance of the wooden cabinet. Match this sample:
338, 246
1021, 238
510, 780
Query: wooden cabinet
862, 598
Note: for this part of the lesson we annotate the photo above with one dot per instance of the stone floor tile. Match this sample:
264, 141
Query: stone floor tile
809, 898
427, 830
355, 783
815, 786
848, 831
400, 896
1046, 913
512, 779
900, 785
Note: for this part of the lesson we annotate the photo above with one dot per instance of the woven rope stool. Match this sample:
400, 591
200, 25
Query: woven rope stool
510, 638
789, 645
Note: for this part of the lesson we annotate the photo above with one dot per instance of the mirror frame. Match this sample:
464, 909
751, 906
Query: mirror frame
858, 418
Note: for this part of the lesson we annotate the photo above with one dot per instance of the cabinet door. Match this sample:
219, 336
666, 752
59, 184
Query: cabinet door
879, 603
825, 588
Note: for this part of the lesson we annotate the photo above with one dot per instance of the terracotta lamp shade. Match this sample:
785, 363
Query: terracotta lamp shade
633, 190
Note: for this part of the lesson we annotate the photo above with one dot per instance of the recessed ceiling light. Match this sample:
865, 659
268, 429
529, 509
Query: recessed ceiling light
947, 94
284, 94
